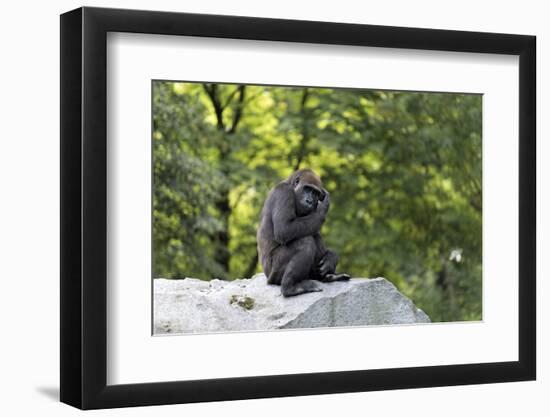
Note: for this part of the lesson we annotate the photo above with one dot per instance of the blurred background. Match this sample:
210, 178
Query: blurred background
404, 171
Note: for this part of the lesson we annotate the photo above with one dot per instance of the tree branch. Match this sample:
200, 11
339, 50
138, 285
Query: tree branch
230, 98
238, 111
212, 92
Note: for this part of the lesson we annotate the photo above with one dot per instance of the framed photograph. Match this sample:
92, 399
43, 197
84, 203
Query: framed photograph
257, 208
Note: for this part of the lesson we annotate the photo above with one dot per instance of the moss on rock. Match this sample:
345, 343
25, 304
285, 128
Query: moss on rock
242, 301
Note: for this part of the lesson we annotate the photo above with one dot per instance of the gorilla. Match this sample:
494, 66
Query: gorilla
290, 247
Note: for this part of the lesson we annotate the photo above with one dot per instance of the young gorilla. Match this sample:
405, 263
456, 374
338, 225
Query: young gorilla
290, 247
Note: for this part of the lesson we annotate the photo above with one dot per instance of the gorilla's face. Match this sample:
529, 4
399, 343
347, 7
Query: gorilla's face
308, 190
307, 198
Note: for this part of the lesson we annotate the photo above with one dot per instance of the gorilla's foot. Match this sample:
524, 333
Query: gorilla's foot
301, 287
336, 277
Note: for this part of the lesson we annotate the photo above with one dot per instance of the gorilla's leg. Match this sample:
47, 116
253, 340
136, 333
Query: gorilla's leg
295, 279
276, 264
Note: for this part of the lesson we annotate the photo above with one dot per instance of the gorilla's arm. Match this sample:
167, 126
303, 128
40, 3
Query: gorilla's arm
287, 226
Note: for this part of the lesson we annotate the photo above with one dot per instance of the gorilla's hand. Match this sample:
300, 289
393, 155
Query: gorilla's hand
327, 265
322, 208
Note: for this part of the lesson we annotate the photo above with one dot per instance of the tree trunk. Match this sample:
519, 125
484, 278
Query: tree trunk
446, 283
252, 265
301, 151
223, 255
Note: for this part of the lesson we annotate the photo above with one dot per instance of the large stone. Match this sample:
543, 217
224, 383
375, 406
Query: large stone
194, 306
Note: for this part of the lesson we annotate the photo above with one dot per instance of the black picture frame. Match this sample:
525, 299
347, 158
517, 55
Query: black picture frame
84, 207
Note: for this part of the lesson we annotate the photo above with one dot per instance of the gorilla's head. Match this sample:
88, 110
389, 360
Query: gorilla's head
308, 190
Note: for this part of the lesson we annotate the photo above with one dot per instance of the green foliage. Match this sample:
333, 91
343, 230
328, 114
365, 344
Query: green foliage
403, 170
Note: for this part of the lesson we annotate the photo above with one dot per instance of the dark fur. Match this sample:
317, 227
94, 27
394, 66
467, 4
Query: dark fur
291, 250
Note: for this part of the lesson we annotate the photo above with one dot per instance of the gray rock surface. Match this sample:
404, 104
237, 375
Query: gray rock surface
194, 306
